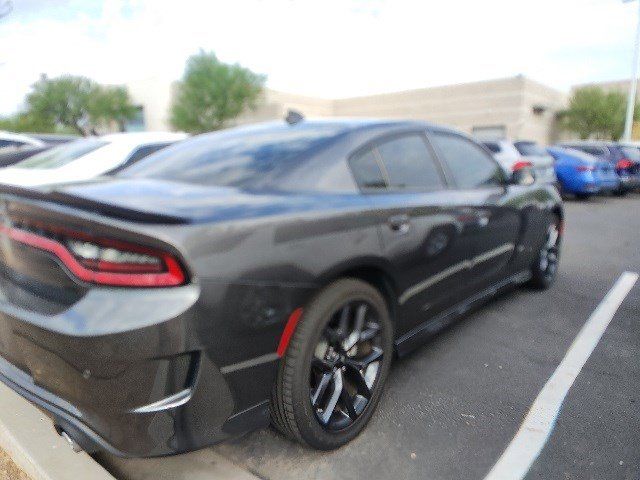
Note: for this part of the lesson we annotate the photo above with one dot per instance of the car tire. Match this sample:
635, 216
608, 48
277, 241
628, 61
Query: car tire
621, 192
583, 196
300, 408
545, 266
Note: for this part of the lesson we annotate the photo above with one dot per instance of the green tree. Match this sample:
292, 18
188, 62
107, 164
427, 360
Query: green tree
26, 122
212, 92
63, 101
79, 104
594, 112
109, 104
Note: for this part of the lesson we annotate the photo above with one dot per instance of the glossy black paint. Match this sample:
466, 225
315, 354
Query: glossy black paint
104, 361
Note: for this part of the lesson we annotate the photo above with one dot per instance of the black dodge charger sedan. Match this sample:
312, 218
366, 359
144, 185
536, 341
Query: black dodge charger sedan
260, 274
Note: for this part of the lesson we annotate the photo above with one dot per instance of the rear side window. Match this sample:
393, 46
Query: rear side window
492, 146
138, 154
529, 149
145, 150
470, 166
403, 163
366, 170
409, 164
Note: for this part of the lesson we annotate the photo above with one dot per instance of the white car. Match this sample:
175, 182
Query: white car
86, 158
513, 155
17, 140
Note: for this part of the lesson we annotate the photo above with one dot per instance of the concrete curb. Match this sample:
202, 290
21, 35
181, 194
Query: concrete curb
28, 437
205, 464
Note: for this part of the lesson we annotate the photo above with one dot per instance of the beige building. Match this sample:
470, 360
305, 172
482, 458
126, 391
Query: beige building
515, 107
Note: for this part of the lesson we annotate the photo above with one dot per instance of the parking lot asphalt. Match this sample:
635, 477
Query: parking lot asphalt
451, 408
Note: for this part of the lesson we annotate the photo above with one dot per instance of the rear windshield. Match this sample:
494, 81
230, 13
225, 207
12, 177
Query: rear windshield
63, 154
246, 157
529, 149
632, 153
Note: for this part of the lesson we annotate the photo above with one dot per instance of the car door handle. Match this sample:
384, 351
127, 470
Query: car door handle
399, 223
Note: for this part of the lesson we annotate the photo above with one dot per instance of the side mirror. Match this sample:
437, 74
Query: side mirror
523, 174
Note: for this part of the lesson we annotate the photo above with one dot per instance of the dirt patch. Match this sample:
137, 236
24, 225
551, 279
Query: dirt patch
9, 470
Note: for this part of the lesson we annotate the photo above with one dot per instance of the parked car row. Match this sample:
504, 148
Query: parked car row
623, 158
80, 159
579, 168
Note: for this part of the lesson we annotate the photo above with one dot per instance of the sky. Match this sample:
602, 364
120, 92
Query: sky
328, 48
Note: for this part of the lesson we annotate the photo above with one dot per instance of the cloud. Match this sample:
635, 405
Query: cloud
333, 48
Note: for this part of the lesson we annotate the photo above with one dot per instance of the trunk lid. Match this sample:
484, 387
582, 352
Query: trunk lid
154, 201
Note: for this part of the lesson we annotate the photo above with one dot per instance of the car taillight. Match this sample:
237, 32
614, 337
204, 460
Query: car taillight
519, 165
585, 168
623, 164
100, 260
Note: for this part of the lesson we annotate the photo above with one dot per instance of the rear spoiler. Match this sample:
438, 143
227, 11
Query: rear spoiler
51, 195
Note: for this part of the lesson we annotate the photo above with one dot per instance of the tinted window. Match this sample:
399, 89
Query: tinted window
529, 148
10, 143
249, 157
63, 154
409, 165
146, 150
598, 151
366, 170
470, 166
494, 147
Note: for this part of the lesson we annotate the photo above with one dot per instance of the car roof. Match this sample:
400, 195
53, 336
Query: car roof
593, 143
573, 152
343, 123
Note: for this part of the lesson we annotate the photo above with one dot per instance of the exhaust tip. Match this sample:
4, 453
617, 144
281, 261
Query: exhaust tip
72, 443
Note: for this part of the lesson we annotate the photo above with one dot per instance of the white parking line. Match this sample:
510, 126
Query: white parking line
525, 447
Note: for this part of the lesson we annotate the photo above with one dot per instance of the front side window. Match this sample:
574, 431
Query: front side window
402, 163
470, 165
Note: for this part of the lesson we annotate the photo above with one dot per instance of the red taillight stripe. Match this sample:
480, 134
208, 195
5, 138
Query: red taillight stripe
519, 165
289, 328
624, 164
172, 277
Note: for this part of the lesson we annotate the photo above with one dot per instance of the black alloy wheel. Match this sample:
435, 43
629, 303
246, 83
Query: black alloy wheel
332, 375
545, 267
346, 365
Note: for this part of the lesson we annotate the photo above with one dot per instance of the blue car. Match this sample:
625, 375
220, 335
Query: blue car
581, 174
624, 158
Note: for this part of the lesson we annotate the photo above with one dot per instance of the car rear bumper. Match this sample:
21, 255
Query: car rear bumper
142, 390
581, 183
608, 185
